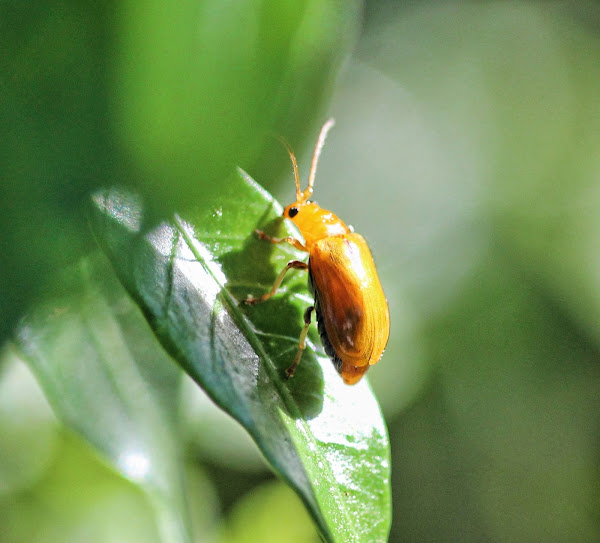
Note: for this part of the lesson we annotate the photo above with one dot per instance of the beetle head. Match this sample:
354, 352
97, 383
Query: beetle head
314, 222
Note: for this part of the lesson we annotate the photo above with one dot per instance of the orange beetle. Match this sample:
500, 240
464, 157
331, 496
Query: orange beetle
352, 311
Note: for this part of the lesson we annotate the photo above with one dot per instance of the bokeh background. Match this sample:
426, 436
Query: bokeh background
466, 150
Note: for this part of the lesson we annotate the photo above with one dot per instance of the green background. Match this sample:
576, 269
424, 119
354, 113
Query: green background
466, 151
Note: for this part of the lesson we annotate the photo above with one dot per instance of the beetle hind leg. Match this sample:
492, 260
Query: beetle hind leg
301, 342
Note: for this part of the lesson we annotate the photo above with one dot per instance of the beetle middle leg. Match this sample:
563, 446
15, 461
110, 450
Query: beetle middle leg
293, 264
301, 342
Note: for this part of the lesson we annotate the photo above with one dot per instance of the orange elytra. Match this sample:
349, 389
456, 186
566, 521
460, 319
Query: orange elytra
352, 312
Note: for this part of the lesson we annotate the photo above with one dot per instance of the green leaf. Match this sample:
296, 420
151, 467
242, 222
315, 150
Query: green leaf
106, 377
326, 439
202, 87
155, 92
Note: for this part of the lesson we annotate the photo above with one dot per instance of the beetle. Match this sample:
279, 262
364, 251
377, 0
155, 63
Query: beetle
352, 312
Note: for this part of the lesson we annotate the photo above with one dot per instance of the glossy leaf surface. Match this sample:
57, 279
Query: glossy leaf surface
107, 378
326, 439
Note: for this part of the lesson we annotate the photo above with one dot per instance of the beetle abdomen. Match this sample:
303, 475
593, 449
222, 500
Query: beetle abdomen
329, 350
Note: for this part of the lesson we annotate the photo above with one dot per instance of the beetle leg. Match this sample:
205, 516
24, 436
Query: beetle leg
293, 264
301, 342
291, 240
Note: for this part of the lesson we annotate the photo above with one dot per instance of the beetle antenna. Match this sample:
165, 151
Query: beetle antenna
295, 166
313, 165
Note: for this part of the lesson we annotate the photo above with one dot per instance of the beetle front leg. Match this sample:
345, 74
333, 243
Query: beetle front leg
294, 264
301, 342
289, 239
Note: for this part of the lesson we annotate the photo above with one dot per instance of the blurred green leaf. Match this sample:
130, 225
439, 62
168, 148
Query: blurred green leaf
326, 439
201, 87
79, 498
148, 94
105, 376
28, 428
55, 146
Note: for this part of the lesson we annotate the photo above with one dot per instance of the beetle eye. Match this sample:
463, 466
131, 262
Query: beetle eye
293, 211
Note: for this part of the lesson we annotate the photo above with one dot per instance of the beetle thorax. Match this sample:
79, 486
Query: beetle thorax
314, 222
